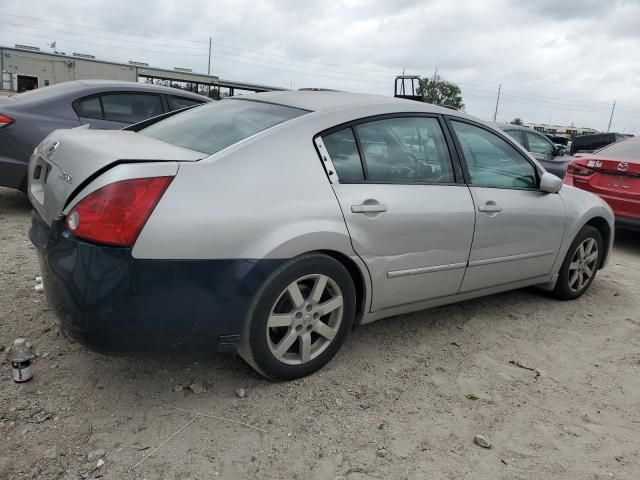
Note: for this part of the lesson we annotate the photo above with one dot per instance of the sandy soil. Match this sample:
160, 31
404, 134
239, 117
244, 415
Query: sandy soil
402, 400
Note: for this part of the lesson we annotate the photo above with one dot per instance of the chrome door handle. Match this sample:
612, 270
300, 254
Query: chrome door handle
369, 208
490, 208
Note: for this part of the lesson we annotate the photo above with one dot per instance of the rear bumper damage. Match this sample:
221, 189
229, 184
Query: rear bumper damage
111, 302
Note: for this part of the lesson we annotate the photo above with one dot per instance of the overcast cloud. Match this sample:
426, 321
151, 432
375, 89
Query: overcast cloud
560, 60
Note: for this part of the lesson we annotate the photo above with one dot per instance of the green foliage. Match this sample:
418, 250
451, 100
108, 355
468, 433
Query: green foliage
437, 91
517, 121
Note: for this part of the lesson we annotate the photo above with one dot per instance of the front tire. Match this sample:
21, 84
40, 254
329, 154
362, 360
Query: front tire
580, 265
299, 318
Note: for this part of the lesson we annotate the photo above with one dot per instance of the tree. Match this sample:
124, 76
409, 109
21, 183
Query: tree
440, 92
516, 121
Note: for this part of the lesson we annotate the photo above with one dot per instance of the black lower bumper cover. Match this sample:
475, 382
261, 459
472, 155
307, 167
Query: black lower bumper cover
111, 302
628, 223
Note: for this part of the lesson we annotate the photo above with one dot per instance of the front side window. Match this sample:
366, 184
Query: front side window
217, 125
343, 151
537, 144
491, 161
130, 107
405, 149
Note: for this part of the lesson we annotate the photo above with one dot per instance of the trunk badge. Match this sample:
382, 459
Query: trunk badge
65, 176
52, 148
623, 166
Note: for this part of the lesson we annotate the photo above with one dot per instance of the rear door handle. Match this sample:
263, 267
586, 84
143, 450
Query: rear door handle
369, 208
489, 207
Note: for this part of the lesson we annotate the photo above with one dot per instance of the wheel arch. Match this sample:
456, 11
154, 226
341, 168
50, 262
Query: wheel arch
601, 224
358, 278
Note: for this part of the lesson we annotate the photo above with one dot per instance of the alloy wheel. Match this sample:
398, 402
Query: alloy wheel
583, 264
305, 319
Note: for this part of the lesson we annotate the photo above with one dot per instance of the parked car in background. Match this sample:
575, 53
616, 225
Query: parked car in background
591, 143
273, 222
554, 158
26, 118
613, 173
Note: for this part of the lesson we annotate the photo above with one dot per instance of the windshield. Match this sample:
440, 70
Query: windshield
628, 149
217, 125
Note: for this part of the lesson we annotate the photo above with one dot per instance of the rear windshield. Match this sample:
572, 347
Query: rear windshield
217, 125
628, 149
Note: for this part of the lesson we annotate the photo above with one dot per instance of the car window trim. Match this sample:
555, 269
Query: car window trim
452, 118
77, 101
457, 170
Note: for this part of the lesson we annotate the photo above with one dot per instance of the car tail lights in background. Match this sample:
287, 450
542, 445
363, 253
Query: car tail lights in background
115, 214
4, 120
575, 168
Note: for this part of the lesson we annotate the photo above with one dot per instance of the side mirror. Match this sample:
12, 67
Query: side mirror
559, 151
550, 183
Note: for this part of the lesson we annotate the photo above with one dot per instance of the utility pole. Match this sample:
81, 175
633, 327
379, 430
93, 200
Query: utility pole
209, 67
495, 114
611, 117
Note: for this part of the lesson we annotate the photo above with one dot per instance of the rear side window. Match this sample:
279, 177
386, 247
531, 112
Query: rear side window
516, 135
218, 125
130, 108
405, 149
176, 103
343, 151
89, 108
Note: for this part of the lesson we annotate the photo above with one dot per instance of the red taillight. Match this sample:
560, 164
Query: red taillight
580, 170
116, 213
4, 120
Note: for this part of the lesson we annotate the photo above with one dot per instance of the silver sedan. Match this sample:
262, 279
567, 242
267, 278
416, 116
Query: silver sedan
271, 224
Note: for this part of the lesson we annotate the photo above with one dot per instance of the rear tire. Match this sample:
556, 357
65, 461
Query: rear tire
299, 318
580, 265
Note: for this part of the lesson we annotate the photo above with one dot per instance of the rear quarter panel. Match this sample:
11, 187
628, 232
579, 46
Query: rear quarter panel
267, 197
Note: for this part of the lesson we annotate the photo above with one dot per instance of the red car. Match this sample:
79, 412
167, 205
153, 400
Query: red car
613, 173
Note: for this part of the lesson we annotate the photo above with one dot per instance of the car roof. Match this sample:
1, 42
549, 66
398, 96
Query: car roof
74, 87
318, 101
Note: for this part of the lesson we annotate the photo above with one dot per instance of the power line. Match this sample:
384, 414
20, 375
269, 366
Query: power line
96, 36
163, 52
100, 29
215, 44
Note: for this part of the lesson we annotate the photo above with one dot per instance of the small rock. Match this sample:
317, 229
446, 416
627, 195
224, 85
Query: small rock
96, 455
482, 441
241, 393
99, 463
382, 452
178, 388
197, 388
50, 453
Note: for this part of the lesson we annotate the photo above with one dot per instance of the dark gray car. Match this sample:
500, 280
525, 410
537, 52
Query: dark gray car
27, 118
554, 158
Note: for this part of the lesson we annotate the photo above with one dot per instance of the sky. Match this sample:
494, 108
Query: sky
560, 61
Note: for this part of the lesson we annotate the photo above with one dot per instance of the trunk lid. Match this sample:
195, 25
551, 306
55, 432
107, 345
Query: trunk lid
67, 160
617, 177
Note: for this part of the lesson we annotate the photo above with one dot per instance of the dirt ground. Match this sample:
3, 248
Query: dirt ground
402, 400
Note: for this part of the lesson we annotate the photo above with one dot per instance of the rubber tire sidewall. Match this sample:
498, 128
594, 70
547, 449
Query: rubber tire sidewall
254, 348
562, 290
